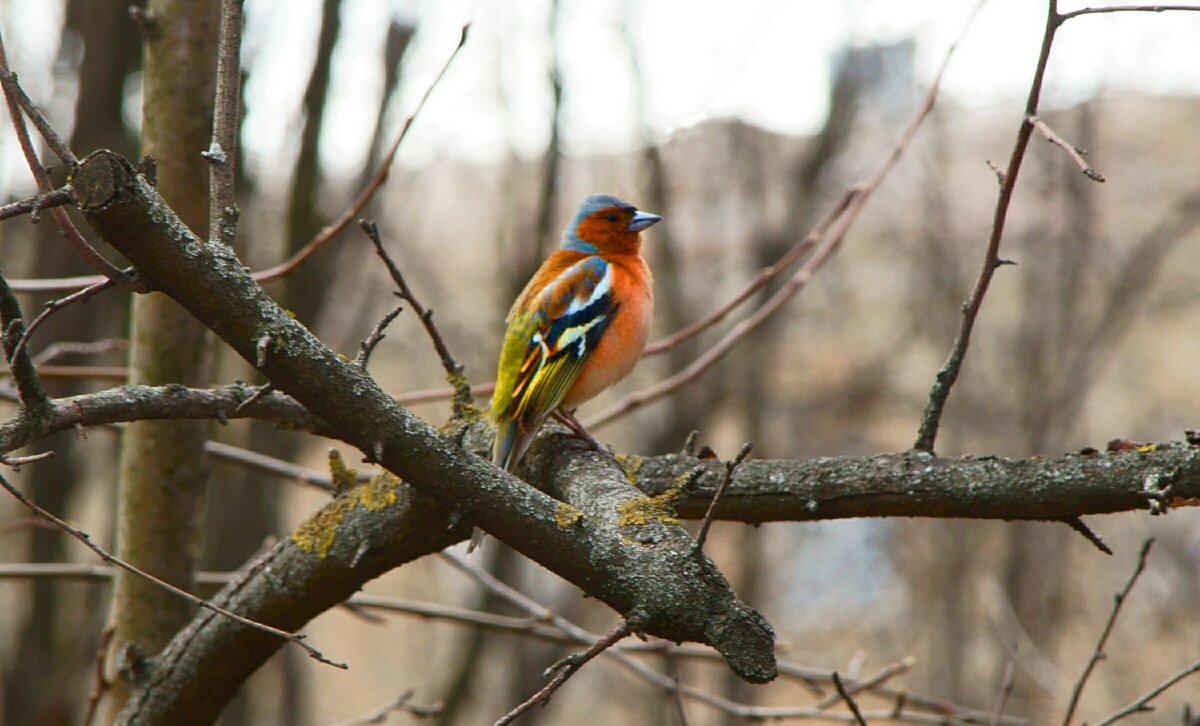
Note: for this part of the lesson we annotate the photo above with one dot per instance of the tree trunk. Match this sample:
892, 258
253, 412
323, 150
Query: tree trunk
162, 468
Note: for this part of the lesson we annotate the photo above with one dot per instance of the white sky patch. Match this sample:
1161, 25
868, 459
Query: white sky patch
765, 61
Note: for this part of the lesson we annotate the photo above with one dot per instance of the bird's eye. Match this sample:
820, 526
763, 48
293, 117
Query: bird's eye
611, 216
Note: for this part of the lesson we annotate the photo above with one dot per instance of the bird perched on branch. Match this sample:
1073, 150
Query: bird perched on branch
577, 328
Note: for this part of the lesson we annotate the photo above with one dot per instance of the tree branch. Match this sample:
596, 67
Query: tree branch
580, 536
222, 152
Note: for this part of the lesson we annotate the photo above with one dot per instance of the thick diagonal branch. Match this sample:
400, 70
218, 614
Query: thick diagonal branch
649, 579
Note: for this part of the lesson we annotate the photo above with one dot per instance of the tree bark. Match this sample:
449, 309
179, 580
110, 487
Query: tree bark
162, 465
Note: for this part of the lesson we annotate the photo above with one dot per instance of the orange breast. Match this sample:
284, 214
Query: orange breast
621, 345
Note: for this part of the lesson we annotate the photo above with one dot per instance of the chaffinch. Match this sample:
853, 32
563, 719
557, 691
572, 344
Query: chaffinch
577, 328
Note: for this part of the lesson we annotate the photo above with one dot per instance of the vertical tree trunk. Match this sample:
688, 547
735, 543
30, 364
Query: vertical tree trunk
162, 470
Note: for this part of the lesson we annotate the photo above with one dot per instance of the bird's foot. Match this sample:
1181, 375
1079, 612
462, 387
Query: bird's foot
567, 418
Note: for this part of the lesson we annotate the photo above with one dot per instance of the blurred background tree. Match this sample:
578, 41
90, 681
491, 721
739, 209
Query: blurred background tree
740, 128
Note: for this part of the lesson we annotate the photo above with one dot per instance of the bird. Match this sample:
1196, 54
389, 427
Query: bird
577, 328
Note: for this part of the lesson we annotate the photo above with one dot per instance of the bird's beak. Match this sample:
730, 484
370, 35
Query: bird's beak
642, 220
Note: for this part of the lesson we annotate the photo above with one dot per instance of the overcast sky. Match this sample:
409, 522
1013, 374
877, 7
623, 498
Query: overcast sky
765, 61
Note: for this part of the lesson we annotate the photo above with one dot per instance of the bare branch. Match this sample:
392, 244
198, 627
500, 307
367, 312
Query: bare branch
764, 276
13, 88
1006, 687
54, 306
850, 702
463, 403
12, 337
15, 97
201, 602
1098, 653
222, 152
360, 202
946, 377
1078, 525
1143, 703
138, 403
885, 674
730, 467
1124, 9
368, 345
61, 348
839, 225
34, 204
1073, 151
566, 668
400, 703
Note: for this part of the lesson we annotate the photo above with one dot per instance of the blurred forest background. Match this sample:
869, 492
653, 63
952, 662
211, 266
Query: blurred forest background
1092, 336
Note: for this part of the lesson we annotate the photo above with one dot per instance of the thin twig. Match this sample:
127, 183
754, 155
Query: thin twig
54, 306
1098, 653
13, 335
841, 689
264, 390
22, 99
32, 205
938, 711
838, 227
23, 524
948, 374
430, 395
1124, 9
801, 248
676, 698
54, 285
543, 624
885, 674
730, 467
101, 683
463, 402
17, 461
1076, 523
566, 668
1006, 689
1143, 703
274, 466
368, 346
400, 703
222, 152
364, 197
321, 239
1073, 151
61, 348
201, 602
116, 373
15, 97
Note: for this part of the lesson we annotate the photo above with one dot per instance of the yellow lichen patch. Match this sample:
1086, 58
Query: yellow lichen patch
344, 358
566, 515
646, 509
631, 464
318, 533
463, 404
379, 493
1147, 448
343, 476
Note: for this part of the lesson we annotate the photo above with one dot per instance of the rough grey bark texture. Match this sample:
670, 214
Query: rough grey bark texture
644, 579
917, 484
367, 532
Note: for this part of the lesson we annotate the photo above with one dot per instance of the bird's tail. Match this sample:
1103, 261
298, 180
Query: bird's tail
510, 445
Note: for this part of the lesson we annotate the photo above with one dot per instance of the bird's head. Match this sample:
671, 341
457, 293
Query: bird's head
604, 224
